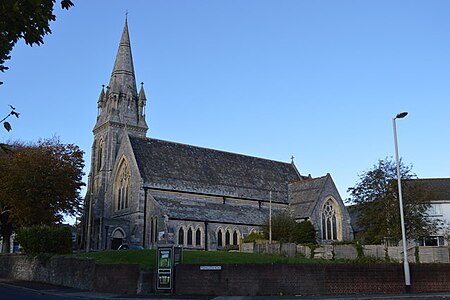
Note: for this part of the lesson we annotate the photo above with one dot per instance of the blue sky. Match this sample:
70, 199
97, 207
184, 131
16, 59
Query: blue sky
320, 80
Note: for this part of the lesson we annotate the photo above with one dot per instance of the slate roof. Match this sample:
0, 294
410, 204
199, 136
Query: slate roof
303, 195
181, 167
438, 187
212, 212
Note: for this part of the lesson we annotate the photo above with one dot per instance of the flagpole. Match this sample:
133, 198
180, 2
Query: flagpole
270, 217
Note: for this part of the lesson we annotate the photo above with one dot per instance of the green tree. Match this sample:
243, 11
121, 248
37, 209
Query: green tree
286, 229
27, 19
39, 184
375, 197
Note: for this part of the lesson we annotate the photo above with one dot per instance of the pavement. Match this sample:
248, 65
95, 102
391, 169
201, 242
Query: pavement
65, 292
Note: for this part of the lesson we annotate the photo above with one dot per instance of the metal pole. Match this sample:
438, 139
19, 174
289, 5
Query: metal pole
402, 219
270, 217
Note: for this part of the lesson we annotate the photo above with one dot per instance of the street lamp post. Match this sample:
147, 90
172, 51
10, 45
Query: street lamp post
400, 199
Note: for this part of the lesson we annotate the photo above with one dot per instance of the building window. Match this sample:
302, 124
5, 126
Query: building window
189, 236
227, 237
122, 186
329, 221
434, 210
99, 155
198, 237
235, 237
181, 236
219, 238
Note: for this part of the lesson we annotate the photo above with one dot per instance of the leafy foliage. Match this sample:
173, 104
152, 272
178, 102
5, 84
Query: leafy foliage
286, 229
40, 183
45, 239
254, 236
6, 124
375, 196
305, 233
27, 19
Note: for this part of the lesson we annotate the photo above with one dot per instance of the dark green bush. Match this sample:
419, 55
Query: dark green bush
286, 229
45, 239
305, 233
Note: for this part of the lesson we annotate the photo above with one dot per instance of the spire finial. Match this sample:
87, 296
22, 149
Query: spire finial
126, 15
292, 158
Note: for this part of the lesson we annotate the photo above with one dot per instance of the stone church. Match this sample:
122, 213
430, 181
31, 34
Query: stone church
144, 191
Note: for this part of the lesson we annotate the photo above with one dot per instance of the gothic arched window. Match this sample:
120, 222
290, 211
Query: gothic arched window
198, 237
123, 186
99, 155
219, 238
189, 236
227, 237
181, 236
235, 237
329, 221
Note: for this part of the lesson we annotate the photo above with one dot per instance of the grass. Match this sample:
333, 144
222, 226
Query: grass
147, 258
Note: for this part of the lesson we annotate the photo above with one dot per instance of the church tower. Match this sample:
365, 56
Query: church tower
121, 110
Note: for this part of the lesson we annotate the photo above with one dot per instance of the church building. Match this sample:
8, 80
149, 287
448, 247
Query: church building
144, 191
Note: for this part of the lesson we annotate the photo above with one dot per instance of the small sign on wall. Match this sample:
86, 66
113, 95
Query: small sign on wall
210, 268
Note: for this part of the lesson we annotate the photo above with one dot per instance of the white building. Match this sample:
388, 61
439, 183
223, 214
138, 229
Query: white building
439, 210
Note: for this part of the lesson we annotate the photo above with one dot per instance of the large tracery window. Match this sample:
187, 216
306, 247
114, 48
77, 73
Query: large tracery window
329, 221
123, 186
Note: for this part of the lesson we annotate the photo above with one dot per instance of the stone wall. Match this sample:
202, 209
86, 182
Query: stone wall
81, 273
349, 252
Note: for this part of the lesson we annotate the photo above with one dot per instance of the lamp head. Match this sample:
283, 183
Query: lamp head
401, 115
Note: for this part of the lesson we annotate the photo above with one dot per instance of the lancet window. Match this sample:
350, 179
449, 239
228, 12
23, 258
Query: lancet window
123, 186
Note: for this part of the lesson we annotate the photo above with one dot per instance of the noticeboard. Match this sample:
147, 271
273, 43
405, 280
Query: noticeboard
167, 257
165, 268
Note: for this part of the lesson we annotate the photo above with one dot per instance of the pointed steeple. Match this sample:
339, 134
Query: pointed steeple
122, 76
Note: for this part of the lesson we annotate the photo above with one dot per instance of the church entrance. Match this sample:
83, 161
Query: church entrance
118, 238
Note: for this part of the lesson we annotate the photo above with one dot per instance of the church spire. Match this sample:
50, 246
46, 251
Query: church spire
122, 77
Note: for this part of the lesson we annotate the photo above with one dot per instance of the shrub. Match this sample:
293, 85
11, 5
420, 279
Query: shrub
45, 239
286, 229
305, 233
254, 236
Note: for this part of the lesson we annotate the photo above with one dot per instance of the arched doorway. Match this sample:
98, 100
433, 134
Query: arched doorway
118, 236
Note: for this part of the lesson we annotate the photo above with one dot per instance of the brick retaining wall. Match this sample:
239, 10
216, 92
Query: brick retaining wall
231, 279
276, 279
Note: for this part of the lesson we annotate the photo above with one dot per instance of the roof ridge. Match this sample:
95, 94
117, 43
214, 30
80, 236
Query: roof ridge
309, 179
211, 149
